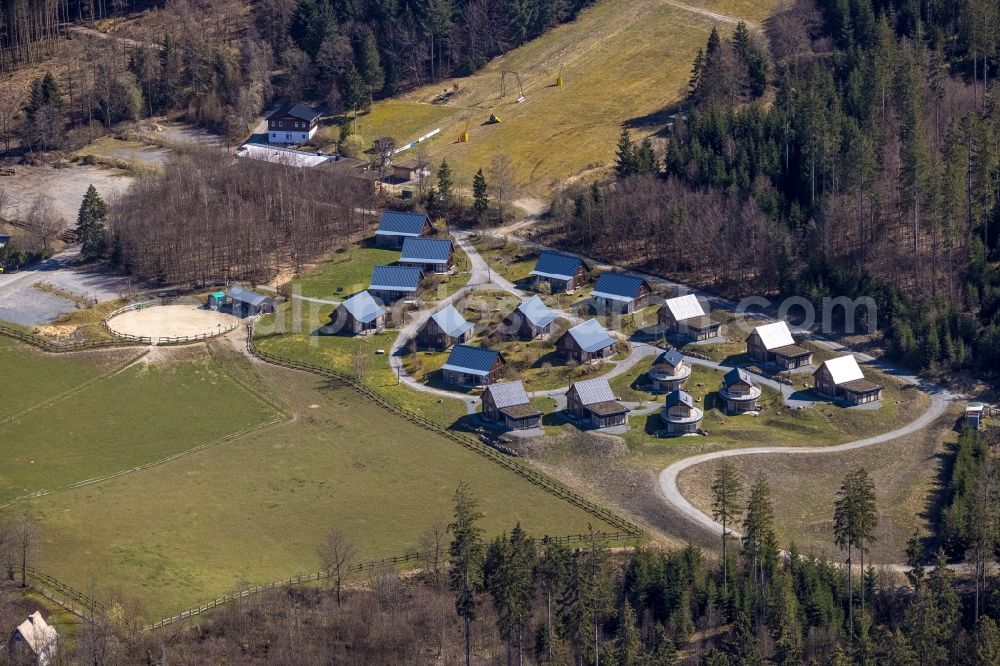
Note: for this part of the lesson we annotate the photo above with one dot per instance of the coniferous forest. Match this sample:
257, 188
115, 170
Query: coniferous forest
850, 149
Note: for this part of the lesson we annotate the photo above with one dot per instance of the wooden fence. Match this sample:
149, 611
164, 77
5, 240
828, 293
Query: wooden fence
162, 340
539, 479
353, 570
59, 347
69, 598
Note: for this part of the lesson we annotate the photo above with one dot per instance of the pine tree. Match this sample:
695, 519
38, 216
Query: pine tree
552, 569
354, 90
625, 161
714, 42
759, 541
644, 159
855, 517
370, 64
90, 223
726, 489
742, 645
445, 185
628, 643
987, 642
697, 69
466, 551
480, 193
509, 577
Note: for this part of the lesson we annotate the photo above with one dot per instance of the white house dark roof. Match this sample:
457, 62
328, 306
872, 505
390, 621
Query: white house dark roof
299, 111
593, 391
684, 307
618, 286
590, 336
363, 307
679, 397
774, 335
398, 223
843, 369
396, 278
471, 360
241, 295
508, 394
451, 322
425, 250
537, 312
552, 264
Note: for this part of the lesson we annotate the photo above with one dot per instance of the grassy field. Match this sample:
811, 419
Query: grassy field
905, 475
623, 62
256, 508
402, 120
120, 422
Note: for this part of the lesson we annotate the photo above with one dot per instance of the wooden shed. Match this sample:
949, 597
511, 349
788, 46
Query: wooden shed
620, 293
531, 319
593, 403
508, 403
396, 226
588, 342
686, 316
560, 271
443, 329
358, 315
473, 366
841, 378
772, 344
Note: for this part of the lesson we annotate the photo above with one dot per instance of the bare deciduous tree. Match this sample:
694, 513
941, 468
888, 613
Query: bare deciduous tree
502, 174
43, 225
433, 547
337, 555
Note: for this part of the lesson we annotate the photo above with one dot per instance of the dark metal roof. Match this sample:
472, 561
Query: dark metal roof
241, 295
471, 360
426, 250
398, 223
363, 307
300, 111
680, 397
618, 285
557, 265
737, 375
396, 278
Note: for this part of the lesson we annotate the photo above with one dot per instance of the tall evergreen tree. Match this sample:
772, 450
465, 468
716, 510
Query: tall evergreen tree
726, 488
466, 555
445, 186
855, 517
625, 160
90, 223
480, 193
370, 64
509, 576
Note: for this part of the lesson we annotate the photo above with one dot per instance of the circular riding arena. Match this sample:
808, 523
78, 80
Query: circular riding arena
163, 324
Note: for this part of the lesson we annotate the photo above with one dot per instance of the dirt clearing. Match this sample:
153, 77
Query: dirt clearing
172, 321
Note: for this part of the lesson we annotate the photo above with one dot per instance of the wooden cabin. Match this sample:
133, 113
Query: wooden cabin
586, 343
507, 403
772, 344
530, 320
593, 403
620, 293
358, 315
292, 125
841, 379
679, 414
443, 329
560, 271
669, 372
739, 393
245, 303
473, 366
395, 226
393, 283
685, 316
432, 255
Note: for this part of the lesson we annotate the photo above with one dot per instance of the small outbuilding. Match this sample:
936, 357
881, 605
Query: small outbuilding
686, 316
432, 255
473, 366
37, 637
245, 303
773, 344
531, 319
562, 272
588, 342
679, 415
739, 393
842, 378
974, 412
444, 328
396, 226
594, 403
508, 403
409, 170
620, 293
216, 300
669, 371
358, 315
392, 283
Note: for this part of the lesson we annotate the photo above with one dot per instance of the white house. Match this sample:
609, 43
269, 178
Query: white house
292, 125
36, 636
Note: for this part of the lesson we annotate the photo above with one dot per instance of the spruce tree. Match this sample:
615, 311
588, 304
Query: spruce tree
628, 643
759, 542
90, 223
552, 570
466, 554
509, 577
625, 160
445, 186
726, 489
370, 64
480, 193
855, 517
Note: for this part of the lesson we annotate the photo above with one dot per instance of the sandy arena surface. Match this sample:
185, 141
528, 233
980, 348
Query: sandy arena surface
171, 321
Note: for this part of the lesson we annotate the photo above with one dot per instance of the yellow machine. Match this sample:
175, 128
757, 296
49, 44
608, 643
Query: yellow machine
559, 78
464, 138
493, 119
